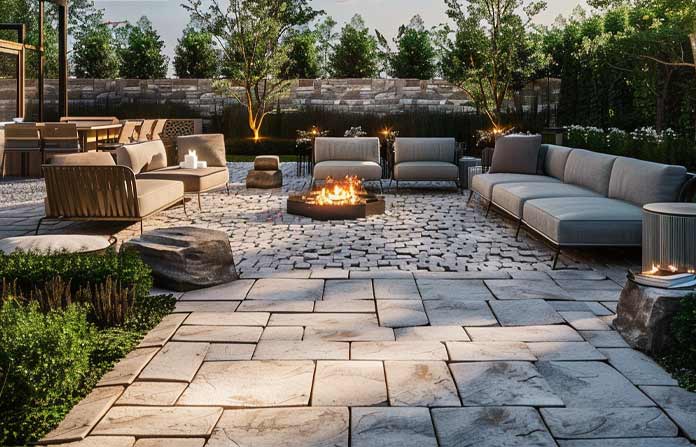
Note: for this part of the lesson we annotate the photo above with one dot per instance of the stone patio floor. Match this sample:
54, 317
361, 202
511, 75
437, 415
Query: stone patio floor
430, 325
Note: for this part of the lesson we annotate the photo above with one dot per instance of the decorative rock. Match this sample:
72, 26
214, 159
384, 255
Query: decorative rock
392, 427
272, 427
491, 427
267, 163
349, 384
264, 179
588, 423
644, 316
186, 258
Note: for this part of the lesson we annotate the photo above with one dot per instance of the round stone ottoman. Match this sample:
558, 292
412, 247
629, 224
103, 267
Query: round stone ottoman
56, 243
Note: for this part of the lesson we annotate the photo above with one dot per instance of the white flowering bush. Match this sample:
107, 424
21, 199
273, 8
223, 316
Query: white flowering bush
355, 132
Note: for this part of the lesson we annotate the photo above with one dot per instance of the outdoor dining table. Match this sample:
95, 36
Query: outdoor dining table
85, 129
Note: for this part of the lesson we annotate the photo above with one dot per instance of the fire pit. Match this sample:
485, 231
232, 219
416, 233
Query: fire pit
344, 199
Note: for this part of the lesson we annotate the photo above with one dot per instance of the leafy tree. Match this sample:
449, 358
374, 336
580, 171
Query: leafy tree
355, 54
195, 55
253, 36
415, 54
491, 55
303, 57
94, 54
141, 55
326, 41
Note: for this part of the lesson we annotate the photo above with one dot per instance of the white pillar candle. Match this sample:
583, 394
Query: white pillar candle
191, 160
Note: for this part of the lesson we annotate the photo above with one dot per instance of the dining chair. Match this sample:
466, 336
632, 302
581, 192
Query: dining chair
59, 138
158, 129
125, 136
145, 132
23, 139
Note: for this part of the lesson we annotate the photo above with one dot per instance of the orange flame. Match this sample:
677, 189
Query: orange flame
343, 192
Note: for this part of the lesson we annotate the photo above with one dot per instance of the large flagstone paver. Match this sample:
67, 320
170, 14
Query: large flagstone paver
100, 441
125, 371
83, 416
219, 334
251, 384
488, 351
585, 321
431, 333
594, 295
324, 320
392, 427
397, 350
526, 289
152, 393
591, 385
588, 423
288, 427
525, 313
170, 442
420, 384
228, 319
349, 384
524, 333
287, 289
563, 275
347, 306
459, 313
159, 421
604, 339
454, 289
638, 367
285, 333
330, 273
396, 289
491, 427
206, 306
301, 350
276, 306
626, 442
678, 403
401, 313
502, 383
347, 332
565, 351
219, 352
232, 291
163, 331
584, 284
176, 362
353, 289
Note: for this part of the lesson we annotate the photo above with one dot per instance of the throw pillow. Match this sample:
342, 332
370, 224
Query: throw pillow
516, 154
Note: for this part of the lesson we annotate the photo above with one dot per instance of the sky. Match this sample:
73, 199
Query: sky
169, 18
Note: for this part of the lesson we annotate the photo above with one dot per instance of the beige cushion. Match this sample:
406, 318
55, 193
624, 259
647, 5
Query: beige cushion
142, 157
267, 163
426, 170
83, 159
54, 243
591, 170
484, 183
425, 149
642, 182
209, 148
586, 221
367, 170
516, 154
512, 196
346, 149
153, 195
195, 180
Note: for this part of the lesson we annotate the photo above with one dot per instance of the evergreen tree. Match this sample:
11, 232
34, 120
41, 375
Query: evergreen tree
141, 54
355, 55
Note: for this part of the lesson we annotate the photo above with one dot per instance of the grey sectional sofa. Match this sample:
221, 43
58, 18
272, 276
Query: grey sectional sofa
425, 159
339, 157
583, 198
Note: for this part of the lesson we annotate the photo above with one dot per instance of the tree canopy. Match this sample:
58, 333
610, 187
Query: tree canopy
195, 56
141, 52
303, 57
355, 55
415, 54
95, 54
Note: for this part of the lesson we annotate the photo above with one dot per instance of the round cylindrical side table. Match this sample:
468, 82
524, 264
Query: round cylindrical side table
669, 236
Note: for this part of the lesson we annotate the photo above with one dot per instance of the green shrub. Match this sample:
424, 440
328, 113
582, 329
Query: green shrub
681, 360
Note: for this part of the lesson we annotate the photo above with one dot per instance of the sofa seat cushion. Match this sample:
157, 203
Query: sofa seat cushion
338, 169
484, 183
512, 196
426, 170
194, 180
153, 195
586, 220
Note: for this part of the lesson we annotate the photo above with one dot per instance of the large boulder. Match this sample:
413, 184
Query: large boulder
186, 258
644, 316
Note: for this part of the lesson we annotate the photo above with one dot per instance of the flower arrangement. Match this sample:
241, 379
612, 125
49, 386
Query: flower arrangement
355, 132
306, 137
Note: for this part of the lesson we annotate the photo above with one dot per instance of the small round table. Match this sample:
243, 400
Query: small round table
669, 236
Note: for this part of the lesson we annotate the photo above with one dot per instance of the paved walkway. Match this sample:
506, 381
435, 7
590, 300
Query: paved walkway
388, 359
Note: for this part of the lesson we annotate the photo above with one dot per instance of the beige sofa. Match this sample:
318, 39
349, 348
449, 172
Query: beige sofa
340, 157
91, 187
581, 198
148, 160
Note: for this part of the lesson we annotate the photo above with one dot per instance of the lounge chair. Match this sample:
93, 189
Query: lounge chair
90, 187
23, 139
149, 161
425, 159
340, 157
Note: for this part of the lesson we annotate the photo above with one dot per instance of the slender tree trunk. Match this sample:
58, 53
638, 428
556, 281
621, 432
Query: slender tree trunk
661, 100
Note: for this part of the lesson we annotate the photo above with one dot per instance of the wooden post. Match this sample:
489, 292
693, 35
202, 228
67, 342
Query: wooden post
42, 62
63, 58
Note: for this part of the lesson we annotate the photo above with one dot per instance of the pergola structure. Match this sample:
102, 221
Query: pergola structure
20, 47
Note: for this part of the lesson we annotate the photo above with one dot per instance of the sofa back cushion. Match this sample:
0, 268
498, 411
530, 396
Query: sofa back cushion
425, 149
83, 159
516, 154
142, 157
590, 170
555, 159
209, 148
346, 149
640, 182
